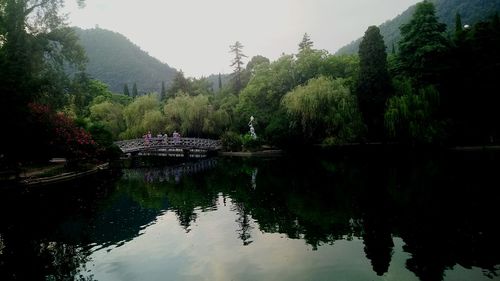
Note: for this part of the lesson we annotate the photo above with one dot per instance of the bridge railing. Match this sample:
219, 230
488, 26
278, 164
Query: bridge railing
135, 145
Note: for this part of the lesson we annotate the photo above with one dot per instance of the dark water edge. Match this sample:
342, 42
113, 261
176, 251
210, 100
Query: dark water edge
431, 213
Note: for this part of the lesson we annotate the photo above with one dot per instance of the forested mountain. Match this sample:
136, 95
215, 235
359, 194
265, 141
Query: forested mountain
115, 60
471, 11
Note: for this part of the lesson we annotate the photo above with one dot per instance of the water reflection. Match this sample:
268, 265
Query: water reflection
428, 215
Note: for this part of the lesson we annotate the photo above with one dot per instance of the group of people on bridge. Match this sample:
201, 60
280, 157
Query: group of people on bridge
175, 136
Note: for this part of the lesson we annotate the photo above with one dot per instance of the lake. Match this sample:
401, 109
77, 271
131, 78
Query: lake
350, 215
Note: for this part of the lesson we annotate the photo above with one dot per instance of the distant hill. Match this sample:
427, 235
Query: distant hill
115, 60
471, 11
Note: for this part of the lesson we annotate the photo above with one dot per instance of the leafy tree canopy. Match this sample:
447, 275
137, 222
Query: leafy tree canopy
374, 84
324, 110
422, 43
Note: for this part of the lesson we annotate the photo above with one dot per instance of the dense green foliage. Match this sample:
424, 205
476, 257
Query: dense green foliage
422, 45
299, 99
116, 61
470, 83
411, 115
450, 95
324, 110
433, 87
374, 84
35, 45
471, 11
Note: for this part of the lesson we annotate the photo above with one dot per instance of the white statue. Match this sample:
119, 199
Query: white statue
252, 130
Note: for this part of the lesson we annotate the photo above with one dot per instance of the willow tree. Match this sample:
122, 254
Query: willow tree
109, 115
143, 115
193, 116
411, 114
324, 110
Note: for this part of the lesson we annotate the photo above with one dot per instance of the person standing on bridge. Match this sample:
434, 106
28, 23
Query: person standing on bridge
176, 137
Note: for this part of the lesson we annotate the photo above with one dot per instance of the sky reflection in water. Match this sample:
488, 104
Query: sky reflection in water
411, 217
213, 250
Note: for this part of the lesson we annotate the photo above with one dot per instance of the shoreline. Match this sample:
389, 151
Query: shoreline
68, 176
262, 153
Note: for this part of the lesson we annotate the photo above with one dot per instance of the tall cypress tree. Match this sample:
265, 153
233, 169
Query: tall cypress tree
374, 87
458, 23
220, 82
422, 45
125, 90
134, 91
459, 34
163, 93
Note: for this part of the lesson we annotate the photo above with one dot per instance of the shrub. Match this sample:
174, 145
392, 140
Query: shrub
58, 135
249, 143
231, 141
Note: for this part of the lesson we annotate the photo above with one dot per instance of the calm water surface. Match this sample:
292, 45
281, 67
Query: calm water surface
350, 216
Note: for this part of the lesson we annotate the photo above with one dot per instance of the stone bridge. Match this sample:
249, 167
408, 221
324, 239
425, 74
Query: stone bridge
193, 147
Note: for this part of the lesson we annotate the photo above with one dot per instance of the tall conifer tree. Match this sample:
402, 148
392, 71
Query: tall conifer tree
126, 90
135, 93
306, 43
220, 82
163, 93
422, 44
374, 87
237, 64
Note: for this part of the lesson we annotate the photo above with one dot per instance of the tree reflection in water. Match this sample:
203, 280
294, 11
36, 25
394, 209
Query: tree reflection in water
442, 206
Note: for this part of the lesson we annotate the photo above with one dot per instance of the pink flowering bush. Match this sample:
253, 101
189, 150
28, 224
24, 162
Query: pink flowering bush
60, 134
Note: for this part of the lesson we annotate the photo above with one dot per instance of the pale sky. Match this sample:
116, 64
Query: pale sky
194, 35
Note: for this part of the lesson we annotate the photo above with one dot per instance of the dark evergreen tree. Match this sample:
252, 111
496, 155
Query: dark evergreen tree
374, 87
126, 90
237, 64
458, 35
135, 93
179, 84
306, 43
163, 93
470, 87
422, 45
220, 82
458, 23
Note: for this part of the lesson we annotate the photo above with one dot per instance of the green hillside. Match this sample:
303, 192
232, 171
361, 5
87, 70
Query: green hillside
471, 12
115, 60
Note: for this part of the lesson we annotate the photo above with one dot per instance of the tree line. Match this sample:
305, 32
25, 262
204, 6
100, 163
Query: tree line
434, 87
